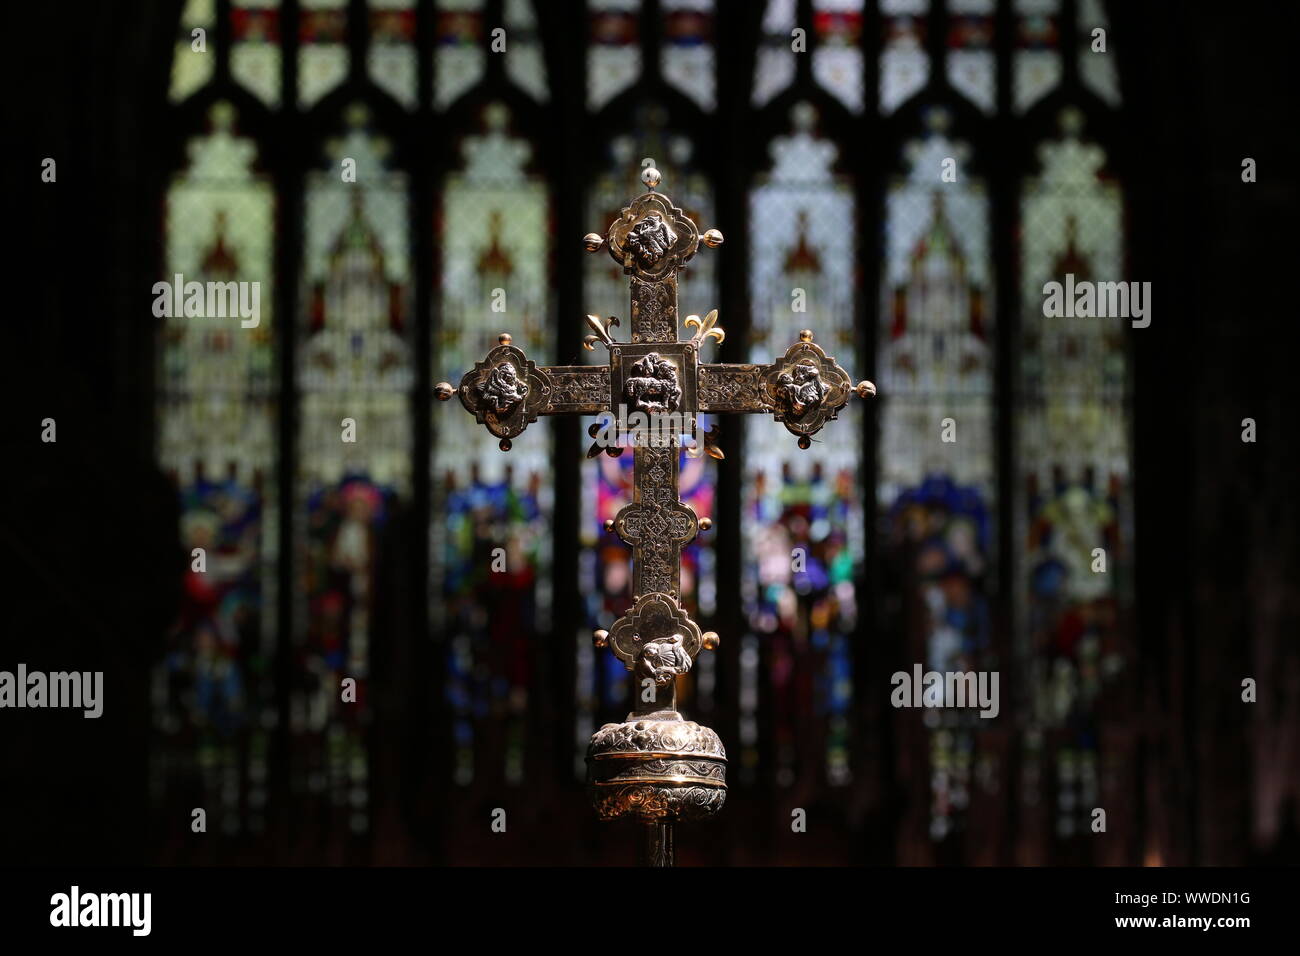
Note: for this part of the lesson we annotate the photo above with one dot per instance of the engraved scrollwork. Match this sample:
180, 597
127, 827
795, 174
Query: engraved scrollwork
684, 737
578, 390
732, 388
654, 315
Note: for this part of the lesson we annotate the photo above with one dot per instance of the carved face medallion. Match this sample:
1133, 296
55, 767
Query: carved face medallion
801, 388
651, 238
664, 659
502, 388
653, 386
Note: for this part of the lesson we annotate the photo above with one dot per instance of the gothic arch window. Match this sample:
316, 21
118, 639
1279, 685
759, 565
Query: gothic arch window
216, 438
355, 371
801, 518
986, 539
294, 444
494, 228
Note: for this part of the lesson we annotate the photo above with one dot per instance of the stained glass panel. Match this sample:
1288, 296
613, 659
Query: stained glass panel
212, 698
687, 58
1072, 429
392, 59
801, 525
192, 68
525, 64
613, 50
355, 375
971, 67
774, 60
255, 48
1097, 68
937, 490
494, 236
837, 56
904, 64
460, 58
1036, 63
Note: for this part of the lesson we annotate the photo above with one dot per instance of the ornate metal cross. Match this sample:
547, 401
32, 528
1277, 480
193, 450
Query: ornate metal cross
655, 767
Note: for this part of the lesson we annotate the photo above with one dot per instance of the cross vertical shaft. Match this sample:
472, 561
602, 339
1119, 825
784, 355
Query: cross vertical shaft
655, 767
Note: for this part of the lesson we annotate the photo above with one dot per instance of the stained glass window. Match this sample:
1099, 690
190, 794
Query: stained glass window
1073, 494
255, 47
494, 236
192, 68
971, 66
392, 59
213, 701
355, 374
937, 490
774, 60
837, 55
605, 568
904, 64
801, 522
687, 58
1036, 64
614, 50
461, 54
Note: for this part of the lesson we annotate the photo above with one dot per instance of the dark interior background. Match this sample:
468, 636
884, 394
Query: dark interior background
88, 529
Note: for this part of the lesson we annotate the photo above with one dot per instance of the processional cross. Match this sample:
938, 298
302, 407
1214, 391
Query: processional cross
655, 767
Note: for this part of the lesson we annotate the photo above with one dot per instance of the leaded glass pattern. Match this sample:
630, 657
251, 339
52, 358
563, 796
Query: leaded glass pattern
1097, 69
837, 54
971, 66
354, 365
460, 57
613, 50
255, 27
904, 64
192, 68
494, 235
774, 65
937, 489
322, 48
525, 63
1072, 429
801, 523
1036, 62
687, 60
391, 59
213, 700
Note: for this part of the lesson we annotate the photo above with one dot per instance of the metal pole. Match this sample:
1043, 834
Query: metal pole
656, 847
